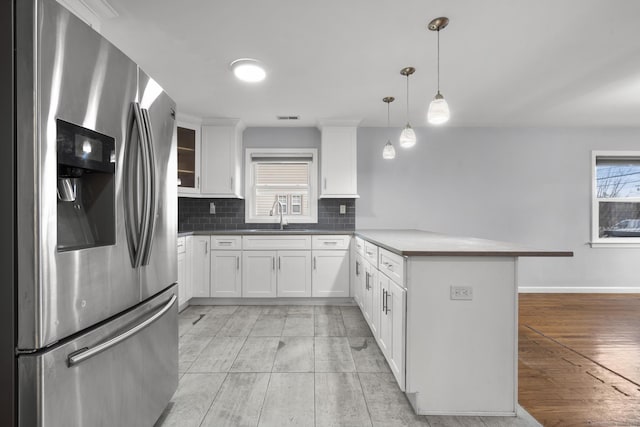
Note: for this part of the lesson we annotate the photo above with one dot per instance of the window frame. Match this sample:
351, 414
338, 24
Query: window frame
312, 218
608, 242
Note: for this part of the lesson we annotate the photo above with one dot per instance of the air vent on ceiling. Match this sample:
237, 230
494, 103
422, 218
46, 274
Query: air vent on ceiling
288, 117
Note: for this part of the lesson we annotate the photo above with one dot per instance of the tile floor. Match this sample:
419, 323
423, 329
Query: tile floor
291, 366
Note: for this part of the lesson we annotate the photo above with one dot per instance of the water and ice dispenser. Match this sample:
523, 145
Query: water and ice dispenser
86, 188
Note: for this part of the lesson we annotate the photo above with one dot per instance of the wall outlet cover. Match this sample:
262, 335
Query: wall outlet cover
212, 208
343, 209
461, 293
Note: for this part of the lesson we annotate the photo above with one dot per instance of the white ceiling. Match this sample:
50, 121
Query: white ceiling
503, 62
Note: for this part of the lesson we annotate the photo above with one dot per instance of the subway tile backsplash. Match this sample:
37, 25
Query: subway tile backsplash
193, 215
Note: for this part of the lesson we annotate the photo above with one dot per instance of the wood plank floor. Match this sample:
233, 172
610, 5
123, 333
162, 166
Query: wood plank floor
579, 358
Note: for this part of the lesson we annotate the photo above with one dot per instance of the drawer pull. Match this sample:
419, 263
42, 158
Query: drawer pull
225, 243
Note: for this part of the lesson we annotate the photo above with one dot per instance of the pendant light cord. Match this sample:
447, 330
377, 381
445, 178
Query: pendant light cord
407, 98
388, 114
438, 61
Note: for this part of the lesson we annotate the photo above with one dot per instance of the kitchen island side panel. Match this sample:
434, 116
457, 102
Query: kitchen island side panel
462, 354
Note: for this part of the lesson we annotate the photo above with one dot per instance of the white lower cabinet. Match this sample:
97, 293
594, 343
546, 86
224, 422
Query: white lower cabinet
294, 274
384, 304
226, 276
358, 280
367, 292
276, 274
397, 315
184, 282
259, 274
198, 247
385, 331
330, 273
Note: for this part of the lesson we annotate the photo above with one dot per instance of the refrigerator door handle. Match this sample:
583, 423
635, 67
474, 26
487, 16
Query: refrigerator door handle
134, 224
87, 353
152, 192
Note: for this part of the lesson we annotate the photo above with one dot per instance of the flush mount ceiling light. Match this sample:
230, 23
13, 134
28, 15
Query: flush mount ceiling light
388, 152
408, 136
438, 109
248, 70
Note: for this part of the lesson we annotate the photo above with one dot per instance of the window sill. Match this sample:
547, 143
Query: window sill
633, 244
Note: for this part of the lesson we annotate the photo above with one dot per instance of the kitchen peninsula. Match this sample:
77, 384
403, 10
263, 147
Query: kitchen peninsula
444, 310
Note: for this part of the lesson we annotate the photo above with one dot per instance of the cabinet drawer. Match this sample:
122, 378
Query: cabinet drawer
226, 242
181, 245
371, 253
330, 242
359, 245
392, 265
276, 242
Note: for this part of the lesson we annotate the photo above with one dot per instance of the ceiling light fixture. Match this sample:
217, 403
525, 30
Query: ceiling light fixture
248, 70
438, 109
388, 152
408, 135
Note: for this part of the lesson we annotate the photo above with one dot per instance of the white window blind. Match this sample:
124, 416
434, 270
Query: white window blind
288, 181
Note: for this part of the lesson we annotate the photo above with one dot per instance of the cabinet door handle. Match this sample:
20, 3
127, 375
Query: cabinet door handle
279, 264
366, 281
325, 183
198, 185
383, 298
206, 248
357, 268
273, 262
237, 263
231, 183
314, 263
387, 310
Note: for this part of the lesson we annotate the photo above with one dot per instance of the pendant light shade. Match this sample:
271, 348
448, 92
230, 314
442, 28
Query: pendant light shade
408, 135
438, 109
389, 151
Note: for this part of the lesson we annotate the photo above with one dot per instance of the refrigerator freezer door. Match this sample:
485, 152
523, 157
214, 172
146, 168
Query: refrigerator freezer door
159, 265
128, 383
78, 77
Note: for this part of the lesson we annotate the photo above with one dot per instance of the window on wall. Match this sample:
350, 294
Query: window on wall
281, 179
616, 198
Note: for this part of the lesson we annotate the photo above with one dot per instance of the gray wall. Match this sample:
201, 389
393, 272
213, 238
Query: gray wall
531, 186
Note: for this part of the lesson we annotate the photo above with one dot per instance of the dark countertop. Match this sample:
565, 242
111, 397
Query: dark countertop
263, 232
426, 243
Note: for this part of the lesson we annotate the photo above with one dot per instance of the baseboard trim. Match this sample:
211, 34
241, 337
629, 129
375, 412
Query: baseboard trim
579, 289
346, 301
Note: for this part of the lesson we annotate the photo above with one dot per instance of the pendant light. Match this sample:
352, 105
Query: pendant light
388, 152
408, 136
438, 109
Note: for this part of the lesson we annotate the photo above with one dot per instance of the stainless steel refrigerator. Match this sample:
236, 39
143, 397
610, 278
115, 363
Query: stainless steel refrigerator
94, 187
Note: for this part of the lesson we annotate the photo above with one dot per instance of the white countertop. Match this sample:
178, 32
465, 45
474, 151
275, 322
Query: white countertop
426, 243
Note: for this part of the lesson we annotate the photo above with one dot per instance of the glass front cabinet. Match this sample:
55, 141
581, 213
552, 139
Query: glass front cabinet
188, 138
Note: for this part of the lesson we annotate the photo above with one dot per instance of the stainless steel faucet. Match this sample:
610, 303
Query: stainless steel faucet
281, 208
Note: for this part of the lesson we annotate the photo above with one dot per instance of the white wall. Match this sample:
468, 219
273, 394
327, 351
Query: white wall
281, 137
530, 186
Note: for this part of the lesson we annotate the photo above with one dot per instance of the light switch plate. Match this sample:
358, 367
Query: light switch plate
343, 209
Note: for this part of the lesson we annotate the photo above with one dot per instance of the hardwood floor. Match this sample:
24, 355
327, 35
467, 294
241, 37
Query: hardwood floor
579, 359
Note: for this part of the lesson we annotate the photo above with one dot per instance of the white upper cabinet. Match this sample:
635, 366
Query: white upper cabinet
338, 161
221, 158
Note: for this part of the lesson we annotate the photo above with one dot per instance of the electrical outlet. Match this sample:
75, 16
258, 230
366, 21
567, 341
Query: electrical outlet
343, 209
461, 292
212, 208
